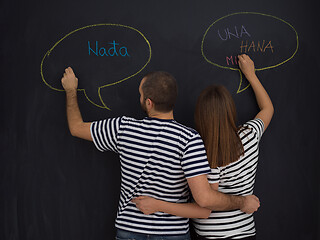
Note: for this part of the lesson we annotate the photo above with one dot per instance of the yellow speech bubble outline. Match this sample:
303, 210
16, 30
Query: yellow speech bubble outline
110, 84
259, 69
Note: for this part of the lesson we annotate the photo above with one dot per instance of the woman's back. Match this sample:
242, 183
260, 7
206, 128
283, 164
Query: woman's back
237, 178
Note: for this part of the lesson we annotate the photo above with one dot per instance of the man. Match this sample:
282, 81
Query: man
159, 158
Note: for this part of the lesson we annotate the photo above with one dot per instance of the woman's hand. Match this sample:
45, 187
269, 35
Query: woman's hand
246, 65
145, 204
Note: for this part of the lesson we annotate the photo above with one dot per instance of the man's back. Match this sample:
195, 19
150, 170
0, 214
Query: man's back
157, 155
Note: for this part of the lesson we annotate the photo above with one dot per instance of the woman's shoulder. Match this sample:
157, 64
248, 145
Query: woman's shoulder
252, 127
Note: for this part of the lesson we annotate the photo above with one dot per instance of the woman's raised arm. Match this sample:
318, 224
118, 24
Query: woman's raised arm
264, 102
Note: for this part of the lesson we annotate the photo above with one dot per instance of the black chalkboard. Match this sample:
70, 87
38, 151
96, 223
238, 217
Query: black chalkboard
54, 186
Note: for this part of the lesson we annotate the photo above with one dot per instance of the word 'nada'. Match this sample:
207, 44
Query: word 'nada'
113, 50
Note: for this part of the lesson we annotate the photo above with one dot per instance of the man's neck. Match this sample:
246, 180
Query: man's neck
161, 115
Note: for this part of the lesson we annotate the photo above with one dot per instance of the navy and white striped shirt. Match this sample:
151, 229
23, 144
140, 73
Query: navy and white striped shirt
157, 156
237, 178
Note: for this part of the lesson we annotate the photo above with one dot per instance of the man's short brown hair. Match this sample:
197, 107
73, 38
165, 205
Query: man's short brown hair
161, 88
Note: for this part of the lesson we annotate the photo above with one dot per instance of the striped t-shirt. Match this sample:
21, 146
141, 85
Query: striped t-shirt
237, 178
157, 156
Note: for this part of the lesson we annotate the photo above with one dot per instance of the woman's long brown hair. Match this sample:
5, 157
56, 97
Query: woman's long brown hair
215, 119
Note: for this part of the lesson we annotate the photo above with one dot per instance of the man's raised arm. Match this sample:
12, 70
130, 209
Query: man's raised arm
77, 127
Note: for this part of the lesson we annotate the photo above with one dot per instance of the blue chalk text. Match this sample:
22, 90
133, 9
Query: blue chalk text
113, 50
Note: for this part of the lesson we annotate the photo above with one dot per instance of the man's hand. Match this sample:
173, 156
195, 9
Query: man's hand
251, 204
77, 127
146, 204
69, 80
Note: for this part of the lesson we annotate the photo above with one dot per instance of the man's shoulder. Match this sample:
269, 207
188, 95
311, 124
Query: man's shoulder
188, 130
185, 132
128, 119
124, 119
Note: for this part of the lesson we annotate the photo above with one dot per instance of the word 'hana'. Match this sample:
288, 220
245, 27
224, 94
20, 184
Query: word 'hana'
245, 48
112, 51
260, 47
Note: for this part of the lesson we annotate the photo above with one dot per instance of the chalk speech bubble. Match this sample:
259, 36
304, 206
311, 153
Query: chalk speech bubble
269, 40
101, 55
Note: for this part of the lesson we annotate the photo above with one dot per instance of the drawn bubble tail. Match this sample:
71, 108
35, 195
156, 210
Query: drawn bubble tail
101, 100
96, 101
243, 84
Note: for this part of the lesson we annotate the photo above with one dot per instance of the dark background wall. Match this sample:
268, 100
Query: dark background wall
54, 186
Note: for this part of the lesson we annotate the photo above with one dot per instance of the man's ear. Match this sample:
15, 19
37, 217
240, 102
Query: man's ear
149, 103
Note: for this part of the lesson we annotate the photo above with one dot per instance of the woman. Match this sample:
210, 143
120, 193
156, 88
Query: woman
232, 154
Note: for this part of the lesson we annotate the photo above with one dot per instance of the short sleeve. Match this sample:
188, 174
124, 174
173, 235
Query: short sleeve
214, 175
257, 125
104, 134
194, 161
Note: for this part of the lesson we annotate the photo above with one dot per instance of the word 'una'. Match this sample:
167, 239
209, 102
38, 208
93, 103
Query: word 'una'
228, 33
